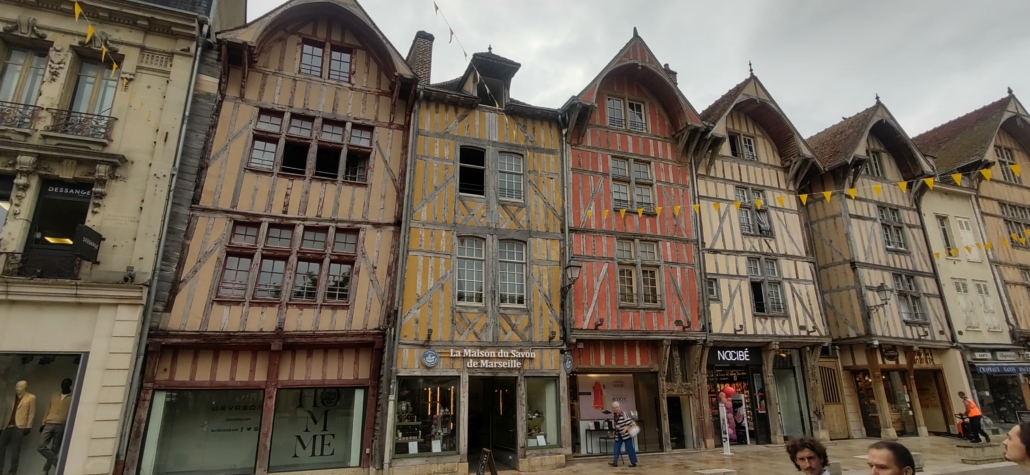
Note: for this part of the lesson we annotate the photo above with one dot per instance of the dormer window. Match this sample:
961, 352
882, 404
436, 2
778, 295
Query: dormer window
314, 62
615, 117
491, 92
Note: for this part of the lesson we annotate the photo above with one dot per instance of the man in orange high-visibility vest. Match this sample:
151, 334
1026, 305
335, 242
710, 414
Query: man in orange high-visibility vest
975, 419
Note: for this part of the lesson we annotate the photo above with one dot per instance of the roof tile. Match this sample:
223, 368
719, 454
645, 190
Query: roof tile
837, 144
965, 139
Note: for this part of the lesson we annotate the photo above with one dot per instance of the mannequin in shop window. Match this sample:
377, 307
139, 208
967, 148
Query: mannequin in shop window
22, 410
53, 425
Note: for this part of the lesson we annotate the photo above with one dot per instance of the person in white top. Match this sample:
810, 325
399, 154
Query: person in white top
809, 456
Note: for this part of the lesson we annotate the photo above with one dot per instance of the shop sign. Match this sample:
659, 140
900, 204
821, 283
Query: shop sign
1026, 355
889, 353
500, 359
566, 362
982, 355
1003, 369
86, 244
923, 356
67, 191
430, 358
1006, 355
733, 355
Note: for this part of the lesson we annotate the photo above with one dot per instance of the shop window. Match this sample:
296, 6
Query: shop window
427, 416
875, 165
640, 181
471, 171
512, 272
766, 286
60, 209
202, 431
6, 187
753, 213
471, 258
893, 228
542, 414
315, 429
910, 300
509, 177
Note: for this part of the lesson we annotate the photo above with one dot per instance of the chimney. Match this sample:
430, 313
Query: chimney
420, 56
671, 73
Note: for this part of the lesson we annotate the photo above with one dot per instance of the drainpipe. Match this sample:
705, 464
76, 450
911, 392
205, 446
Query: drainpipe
148, 310
391, 350
566, 159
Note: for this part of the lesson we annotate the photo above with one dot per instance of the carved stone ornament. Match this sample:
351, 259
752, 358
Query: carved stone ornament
57, 60
24, 166
99, 40
102, 175
25, 26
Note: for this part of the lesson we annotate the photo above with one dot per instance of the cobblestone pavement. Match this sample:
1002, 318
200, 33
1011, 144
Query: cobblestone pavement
939, 457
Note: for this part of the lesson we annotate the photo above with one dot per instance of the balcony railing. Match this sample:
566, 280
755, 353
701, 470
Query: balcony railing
81, 124
39, 265
19, 116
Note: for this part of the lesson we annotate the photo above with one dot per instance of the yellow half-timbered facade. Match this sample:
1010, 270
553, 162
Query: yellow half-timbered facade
479, 336
268, 351
880, 291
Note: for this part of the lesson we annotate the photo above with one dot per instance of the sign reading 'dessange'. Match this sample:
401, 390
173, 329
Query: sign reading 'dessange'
493, 358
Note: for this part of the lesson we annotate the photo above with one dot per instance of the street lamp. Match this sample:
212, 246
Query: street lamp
572, 272
884, 293
571, 276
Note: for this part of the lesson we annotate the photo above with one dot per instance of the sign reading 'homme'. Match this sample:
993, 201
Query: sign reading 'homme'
493, 358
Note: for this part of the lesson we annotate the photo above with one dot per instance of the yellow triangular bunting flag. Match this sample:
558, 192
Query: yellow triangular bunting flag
1004, 243
658, 211
988, 246
78, 11
779, 199
103, 53
986, 172
929, 182
1027, 232
1022, 241
89, 32
957, 177
715, 206
622, 213
758, 203
904, 186
827, 194
953, 252
1016, 168
804, 198
877, 189
640, 211
604, 214
590, 213
1014, 236
969, 249
937, 255
736, 204
114, 68
852, 192
978, 246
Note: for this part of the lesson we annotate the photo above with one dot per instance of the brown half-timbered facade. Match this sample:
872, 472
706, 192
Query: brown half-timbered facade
477, 351
760, 282
880, 291
986, 273
266, 354
634, 317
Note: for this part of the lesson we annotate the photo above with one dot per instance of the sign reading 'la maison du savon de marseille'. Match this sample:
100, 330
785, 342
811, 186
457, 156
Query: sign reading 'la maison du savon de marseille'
501, 359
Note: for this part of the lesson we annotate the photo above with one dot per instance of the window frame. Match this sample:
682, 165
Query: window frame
501, 283
947, 236
643, 116
892, 225
738, 142
19, 94
636, 266
874, 167
1017, 221
482, 167
517, 177
1006, 156
712, 289
317, 140
101, 81
912, 295
325, 64
632, 184
749, 211
482, 270
767, 282
623, 104
616, 122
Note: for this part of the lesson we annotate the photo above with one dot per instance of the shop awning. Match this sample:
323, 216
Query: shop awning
1003, 368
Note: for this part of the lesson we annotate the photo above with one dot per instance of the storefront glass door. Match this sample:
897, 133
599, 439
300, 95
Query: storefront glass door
493, 423
899, 403
1000, 397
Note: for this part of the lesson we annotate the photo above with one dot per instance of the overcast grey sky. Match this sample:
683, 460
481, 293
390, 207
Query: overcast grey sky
929, 60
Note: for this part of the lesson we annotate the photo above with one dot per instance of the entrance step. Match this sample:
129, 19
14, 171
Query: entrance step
979, 454
918, 459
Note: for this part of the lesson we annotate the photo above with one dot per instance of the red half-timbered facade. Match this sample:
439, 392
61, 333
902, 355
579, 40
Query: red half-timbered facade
633, 313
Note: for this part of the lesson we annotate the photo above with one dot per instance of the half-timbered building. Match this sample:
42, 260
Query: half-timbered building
880, 292
978, 227
760, 274
478, 356
265, 355
633, 319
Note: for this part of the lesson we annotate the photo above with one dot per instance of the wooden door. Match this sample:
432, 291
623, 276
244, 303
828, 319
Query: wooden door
833, 399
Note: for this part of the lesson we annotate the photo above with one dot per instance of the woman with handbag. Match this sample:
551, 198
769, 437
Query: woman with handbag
625, 429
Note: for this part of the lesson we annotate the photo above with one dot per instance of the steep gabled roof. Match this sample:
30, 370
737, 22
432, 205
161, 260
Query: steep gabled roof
636, 60
966, 139
253, 32
839, 143
752, 98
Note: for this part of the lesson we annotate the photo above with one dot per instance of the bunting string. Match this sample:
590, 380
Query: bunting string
90, 31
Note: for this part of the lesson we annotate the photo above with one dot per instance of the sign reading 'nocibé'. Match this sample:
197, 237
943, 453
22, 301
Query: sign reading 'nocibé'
733, 355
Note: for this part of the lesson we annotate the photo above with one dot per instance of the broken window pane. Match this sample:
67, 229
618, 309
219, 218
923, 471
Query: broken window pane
472, 171
327, 162
357, 164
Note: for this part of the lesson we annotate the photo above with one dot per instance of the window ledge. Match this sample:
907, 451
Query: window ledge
772, 315
767, 236
78, 141
899, 251
916, 323
623, 306
15, 134
512, 201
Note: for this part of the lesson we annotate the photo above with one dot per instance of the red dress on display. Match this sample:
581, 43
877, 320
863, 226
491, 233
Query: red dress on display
598, 396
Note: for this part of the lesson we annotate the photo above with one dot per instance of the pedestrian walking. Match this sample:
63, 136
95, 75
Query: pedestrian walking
975, 420
890, 458
623, 427
1016, 446
809, 456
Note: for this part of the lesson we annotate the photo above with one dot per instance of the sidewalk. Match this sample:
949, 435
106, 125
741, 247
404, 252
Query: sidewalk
939, 457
